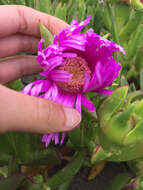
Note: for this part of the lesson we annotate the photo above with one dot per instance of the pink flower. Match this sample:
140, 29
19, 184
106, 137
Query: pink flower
75, 64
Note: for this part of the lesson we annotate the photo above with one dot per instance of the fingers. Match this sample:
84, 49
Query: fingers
13, 44
16, 67
26, 20
20, 112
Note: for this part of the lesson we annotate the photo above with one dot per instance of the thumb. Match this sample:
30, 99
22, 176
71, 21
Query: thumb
20, 112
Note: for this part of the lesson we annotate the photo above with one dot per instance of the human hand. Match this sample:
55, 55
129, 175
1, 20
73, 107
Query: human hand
19, 32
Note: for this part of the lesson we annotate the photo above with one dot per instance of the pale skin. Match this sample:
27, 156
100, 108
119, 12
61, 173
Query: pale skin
19, 32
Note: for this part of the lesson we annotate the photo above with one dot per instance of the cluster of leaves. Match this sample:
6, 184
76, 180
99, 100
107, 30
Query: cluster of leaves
113, 133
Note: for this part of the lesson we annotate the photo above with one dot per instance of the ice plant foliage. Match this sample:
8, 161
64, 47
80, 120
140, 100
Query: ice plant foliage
73, 65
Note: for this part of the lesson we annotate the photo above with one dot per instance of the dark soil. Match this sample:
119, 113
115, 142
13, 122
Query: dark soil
80, 181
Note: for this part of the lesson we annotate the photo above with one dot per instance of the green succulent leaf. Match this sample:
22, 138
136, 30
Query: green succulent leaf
65, 185
12, 183
119, 182
15, 85
17, 140
137, 4
44, 6
111, 105
61, 11
107, 17
82, 9
13, 166
81, 136
120, 125
67, 172
135, 135
141, 79
5, 159
135, 43
139, 60
99, 155
17, 144
122, 13
131, 26
75, 137
4, 2
139, 182
38, 183
47, 35
42, 157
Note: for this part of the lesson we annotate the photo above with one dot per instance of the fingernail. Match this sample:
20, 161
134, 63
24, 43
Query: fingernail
73, 117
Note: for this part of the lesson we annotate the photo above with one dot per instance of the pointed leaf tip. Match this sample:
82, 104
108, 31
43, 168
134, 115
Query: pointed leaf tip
46, 34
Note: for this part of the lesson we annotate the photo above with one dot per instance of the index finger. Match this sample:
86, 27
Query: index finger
21, 19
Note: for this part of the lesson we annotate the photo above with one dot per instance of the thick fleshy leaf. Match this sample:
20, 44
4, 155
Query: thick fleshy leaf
12, 183
120, 125
65, 185
16, 140
135, 135
5, 159
44, 6
111, 105
75, 137
96, 169
42, 157
12, 144
125, 128
61, 11
132, 24
46, 34
119, 182
81, 9
15, 85
137, 4
13, 166
99, 154
135, 43
122, 13
118, 153
141, 79
36, 184
68, 171
139, 61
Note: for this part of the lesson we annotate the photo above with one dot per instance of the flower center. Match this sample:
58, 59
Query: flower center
78, 67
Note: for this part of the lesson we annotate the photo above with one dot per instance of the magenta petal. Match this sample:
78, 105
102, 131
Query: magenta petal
51, 93
86, 83
40, 45
65, 98
63, 137
54, 62
44, 138
78, 103
77, 27
27, 89
92, 83
104, 91
74, 45
113, 46
87, 104
98, 73
36, 89
54, 92
49, 138
60, 76
57, 138
69, 54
